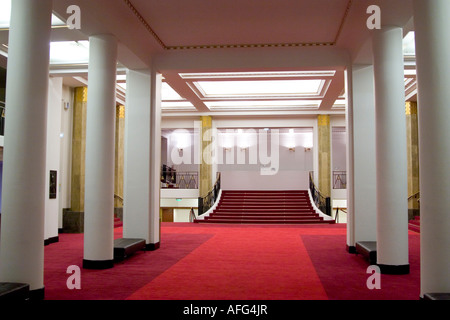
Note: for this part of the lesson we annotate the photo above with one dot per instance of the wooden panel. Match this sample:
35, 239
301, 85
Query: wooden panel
167, 215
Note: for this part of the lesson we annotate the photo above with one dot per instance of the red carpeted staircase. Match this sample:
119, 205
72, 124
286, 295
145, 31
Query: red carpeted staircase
117, 222
414, 224
264, 207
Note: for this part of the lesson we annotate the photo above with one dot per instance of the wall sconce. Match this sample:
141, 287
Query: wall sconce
292, 149
307, 149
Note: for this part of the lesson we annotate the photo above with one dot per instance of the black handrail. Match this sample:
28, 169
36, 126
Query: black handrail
336, 218
322, 202
192, 215
168, 174
206, 202
2, 118
179, 179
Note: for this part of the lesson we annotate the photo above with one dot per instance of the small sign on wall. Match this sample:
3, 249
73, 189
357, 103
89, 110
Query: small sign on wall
53, 181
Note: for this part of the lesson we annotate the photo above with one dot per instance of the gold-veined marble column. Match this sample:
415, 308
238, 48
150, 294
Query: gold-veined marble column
412, 144
118, 170
324, 149
205, 174
78, 149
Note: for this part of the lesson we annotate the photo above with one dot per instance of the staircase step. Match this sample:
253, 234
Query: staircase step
244, 217
261, 212
117, 222
264, 207
414, 224
264, 191
265, 197
262, 202
413, 227
243, 212
265, 221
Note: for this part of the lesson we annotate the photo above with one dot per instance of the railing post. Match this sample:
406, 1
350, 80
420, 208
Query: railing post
328, 206
200, 206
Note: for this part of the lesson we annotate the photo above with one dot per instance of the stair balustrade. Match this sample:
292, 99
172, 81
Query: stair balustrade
322, 202
206, 202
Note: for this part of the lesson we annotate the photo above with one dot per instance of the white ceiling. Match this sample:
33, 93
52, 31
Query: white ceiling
224, 22
263, 40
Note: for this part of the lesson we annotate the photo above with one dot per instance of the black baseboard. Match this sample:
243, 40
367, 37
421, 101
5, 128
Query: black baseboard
51, 240
394, 269
12, 291
37, 294
351, 249
436, 296
98, 264
152, 246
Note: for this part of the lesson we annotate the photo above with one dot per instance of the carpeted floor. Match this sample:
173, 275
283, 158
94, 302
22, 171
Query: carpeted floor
231, 262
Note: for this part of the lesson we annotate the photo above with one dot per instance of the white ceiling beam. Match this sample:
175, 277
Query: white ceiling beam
334, 91
180, 86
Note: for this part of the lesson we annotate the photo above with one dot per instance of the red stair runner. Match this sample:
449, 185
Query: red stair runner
264, 207
117, 222
414, 224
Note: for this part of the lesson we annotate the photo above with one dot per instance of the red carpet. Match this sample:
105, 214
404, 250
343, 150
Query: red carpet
119, 282
344, 276
264, 207
241, 264
231, 262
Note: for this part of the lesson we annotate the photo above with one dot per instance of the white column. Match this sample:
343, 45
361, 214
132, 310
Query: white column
432, 25
136, 207
155, 155
390, 122
53, 158
350, 162
23, 203
361, 173
99, 181
142, 158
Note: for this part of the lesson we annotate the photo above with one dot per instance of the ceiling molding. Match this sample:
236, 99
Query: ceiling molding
234, 46
146, 25
344, 19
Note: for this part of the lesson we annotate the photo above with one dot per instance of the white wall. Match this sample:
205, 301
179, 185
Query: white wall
338, 145
53, 154
339, 162
179, 193
278, 142
186, 139
66, 151
181, 215
361, 172
290, 161
253, 180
